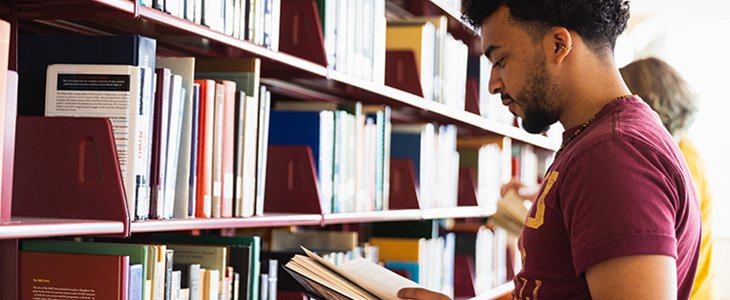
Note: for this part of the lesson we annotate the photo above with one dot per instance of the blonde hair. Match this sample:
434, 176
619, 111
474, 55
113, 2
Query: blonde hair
664, 90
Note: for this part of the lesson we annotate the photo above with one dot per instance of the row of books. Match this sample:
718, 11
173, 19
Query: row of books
486, 164
440, 58
490, 105
428, 262
192, 135
163, 266
432, 149
256, 21
354, 37
8, 114
491, 259
351, 148
186, 147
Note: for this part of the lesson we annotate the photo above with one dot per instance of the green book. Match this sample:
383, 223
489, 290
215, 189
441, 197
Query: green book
138, 254
252, 242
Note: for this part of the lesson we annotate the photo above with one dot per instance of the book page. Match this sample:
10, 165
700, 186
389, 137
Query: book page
376, 279
320, 274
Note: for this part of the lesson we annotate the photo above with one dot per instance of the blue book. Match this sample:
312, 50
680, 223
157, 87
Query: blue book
36, 52
194, 151
136, 282
407, 143
315, 129
410, 269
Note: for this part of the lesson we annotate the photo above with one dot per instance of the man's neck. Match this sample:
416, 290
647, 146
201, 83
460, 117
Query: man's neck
585, 99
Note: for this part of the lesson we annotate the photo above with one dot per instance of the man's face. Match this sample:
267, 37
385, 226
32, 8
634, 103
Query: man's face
519, 72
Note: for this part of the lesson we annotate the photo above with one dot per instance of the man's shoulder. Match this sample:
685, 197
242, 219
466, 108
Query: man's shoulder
635, 126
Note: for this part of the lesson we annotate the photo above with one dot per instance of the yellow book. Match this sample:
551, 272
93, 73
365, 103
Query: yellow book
397, 249
419, 38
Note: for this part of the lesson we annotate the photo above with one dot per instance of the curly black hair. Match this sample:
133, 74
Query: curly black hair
598, 22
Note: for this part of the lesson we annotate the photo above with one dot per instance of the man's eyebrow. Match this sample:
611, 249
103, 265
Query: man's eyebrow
490, 49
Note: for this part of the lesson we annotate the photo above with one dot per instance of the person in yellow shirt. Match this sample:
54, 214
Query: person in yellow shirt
672, 98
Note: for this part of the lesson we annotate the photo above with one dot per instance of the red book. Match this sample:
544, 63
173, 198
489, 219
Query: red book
73, 276
204, 191
162, 98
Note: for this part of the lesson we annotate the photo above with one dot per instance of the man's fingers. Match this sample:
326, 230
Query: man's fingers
514, 184
420, 293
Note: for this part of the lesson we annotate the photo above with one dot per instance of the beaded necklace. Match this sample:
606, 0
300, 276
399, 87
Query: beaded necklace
583, 126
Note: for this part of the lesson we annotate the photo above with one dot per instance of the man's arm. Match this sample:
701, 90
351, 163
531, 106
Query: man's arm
634, 277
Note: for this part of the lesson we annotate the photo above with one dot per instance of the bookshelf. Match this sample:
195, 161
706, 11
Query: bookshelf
284, 74
29, 227
269, 220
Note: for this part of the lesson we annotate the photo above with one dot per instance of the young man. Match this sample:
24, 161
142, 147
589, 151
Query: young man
616, 216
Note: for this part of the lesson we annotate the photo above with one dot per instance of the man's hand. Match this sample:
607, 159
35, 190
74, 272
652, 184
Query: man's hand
522, 190
421, 294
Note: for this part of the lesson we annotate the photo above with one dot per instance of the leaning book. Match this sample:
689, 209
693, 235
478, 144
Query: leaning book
356, 279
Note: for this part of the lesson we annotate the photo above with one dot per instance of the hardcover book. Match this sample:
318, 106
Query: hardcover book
73, 276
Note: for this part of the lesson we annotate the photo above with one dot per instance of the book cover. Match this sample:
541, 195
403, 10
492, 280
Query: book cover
138, 254
44, 275
36, 52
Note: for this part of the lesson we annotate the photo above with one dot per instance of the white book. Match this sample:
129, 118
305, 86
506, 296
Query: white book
175, 283
263, 148
379, 42
218, 150
185, 67
105, 91
177, 101
250, 150
276, 25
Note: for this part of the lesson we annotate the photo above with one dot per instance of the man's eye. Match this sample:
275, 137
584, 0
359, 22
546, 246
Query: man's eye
499, 62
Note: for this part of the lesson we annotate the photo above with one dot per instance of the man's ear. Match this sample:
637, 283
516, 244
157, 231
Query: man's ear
557, 44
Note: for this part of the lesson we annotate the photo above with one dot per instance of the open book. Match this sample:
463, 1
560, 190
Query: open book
511, 213
356, 279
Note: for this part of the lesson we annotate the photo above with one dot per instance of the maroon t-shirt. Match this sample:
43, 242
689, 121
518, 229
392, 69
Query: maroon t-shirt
620, 188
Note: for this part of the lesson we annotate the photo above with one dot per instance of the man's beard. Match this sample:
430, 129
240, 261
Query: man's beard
537, 97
